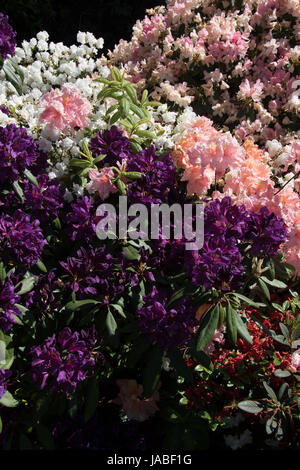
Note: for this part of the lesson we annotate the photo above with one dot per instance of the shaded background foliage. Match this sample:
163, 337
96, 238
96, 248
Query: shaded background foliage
110, 19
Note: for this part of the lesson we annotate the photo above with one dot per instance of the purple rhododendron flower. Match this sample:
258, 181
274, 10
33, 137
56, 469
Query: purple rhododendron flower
21, 237
92, 273
46, 200
64, 359
81, 221
225, 218
4, 375
266, 231
111, 143
42, 295
218, 264
158, 175
169, 328
7, 37
8, 307
18, 151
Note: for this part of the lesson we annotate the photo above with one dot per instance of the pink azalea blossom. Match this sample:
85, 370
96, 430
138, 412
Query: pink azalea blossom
134, 405
218, 337
65, 109
295, 364
101, 182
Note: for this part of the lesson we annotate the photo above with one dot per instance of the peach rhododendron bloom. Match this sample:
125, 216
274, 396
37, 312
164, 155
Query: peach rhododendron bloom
65, 109
135, 406
101, 182
206, 154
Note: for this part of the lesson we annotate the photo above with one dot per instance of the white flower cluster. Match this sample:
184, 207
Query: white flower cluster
47, 65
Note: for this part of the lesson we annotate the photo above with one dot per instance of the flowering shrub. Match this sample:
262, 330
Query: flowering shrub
173, 343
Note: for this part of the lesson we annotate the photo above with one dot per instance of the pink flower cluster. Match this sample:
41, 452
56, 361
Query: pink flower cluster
65, 109
134, 405
101, 182
237, 63
206, 154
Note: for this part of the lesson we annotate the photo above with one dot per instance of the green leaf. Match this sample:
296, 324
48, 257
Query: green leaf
91, 399
284, 331
119, 309
248, 301
27, 285
231, 324
282, 373
135, 146
115, 117
111, 323
130, 90
180, 365
8, 400
274, 283
203, 359
131, 253
121, 186
74, 305
151, 373
112, 108
144, 96
124, 107
145, 133
99, 158
115, 73
1, 426
80, 162
296, 333
41, 266
242, 329
264, 288
175, 297
138, 111
2, 272
18, 190
278, 307
133, 174
250, 406
13, 74
207, 327
31, 177
154, 104
270, 391
284, 387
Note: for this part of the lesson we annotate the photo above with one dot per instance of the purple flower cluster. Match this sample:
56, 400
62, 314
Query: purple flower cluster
111, 143
4, 109
266, 232
169, 328
158, 176
44, 200
42, 297
92, 273
228, 227
4, 375
81, 221
218, 264
8, 307
18, 151
223, 218
64, 360
21, 238
7, 37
